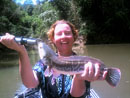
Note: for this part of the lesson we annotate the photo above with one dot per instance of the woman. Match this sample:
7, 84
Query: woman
62, 34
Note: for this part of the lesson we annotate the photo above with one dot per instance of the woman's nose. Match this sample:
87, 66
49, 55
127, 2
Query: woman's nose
63, 35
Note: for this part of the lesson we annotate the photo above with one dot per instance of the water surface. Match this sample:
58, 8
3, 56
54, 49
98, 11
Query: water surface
116, 55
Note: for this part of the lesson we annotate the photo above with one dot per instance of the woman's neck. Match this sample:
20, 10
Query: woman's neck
65, 53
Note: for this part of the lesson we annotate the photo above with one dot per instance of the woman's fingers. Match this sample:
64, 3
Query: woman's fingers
7, 40
88, 72
97, 71
92, 72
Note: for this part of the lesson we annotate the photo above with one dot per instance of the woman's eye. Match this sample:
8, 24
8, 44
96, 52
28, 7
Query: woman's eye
59, 33
65, 33
68, 33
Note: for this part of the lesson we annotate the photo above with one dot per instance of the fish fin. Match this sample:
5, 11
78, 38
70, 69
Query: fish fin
113, 76
48, 72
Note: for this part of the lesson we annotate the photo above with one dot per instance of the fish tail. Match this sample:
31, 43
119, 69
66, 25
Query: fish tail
113, 76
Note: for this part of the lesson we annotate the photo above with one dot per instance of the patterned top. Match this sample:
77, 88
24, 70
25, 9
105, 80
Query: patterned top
61, 86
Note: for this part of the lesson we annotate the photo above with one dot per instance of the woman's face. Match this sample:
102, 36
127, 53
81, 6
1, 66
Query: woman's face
63, 38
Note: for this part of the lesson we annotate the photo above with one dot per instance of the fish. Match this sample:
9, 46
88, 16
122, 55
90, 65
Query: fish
72, 65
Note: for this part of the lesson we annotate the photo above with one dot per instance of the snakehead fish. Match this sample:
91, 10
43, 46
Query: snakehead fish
75, 64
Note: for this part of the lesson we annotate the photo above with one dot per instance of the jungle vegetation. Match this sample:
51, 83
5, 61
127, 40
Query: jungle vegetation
98, 21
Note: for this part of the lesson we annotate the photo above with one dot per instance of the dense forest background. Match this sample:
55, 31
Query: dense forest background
99, 21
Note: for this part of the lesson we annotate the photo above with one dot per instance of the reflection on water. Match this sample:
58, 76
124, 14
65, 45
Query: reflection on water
112, 55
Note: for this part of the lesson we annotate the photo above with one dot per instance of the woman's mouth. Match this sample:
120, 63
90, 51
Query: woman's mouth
64, 43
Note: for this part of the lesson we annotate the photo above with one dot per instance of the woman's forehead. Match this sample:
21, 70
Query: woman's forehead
61, 27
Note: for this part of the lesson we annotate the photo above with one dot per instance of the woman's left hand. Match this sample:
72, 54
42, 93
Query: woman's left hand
92, 73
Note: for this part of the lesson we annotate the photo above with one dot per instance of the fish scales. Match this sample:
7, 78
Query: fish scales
72, 64
68, 66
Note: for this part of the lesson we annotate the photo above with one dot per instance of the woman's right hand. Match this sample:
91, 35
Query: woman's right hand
8, 41
28, 77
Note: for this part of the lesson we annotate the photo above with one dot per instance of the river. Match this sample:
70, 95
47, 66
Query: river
115, 55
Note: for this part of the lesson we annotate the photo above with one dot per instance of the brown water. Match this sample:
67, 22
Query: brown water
10, 80
117, 55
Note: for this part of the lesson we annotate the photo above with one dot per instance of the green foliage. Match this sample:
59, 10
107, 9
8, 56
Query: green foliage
44, 15
10, 18
63, 7
107, 20
100, 21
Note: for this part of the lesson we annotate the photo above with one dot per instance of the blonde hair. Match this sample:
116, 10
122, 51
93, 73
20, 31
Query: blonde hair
50, 32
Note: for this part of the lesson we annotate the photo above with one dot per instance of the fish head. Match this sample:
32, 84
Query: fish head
45, 61
45, 52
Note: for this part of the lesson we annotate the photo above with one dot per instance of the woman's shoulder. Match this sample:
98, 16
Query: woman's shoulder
39, 66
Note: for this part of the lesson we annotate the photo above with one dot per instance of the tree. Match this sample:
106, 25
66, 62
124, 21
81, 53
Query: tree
106, 21
43, 16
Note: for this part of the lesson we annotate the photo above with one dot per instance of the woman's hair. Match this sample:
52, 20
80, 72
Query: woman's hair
50, 32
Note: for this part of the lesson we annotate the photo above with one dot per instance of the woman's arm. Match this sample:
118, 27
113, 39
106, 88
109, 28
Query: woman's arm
78, 87
29, 78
